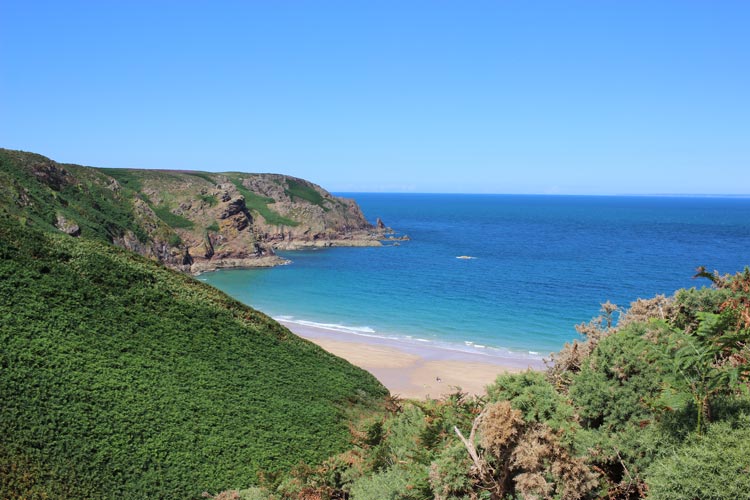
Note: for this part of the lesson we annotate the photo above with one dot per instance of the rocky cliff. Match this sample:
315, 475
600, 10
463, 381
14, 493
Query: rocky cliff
189, 220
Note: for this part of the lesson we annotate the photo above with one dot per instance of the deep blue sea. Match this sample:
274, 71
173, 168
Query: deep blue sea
542, 264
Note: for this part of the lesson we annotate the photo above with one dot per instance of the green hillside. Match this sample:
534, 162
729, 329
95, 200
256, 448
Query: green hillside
123, 379
39, 190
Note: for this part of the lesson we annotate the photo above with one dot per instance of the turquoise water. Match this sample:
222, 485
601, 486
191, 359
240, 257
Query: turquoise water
542, 264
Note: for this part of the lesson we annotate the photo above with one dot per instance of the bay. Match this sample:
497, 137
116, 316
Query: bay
540, 265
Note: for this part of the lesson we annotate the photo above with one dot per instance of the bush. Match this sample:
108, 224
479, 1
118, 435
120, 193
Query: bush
537, 399
393, 484
715, 466
623, 374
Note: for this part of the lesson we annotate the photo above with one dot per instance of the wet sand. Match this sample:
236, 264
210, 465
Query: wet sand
414, 369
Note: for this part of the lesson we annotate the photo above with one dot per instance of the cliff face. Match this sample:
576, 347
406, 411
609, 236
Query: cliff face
191, 221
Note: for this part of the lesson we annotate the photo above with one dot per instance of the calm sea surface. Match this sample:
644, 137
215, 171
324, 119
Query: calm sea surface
542, 264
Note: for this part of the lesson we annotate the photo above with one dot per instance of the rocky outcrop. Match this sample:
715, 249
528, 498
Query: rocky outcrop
67, 226
191, 221
240, 220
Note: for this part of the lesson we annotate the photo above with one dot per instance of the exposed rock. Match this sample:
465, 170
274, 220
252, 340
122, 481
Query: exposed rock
186, 258
130, 242
233, 207
379, 224
23, 199
52, 174
114, 186
228, 263
67, 226
209, 246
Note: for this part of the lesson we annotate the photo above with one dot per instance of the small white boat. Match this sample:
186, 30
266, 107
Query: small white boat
465, 257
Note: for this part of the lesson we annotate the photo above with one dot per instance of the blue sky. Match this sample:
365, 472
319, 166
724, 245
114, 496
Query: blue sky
597, 97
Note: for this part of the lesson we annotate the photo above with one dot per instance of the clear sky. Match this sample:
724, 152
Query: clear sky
597, 97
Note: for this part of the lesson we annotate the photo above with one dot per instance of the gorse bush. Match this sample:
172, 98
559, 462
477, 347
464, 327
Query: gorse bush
713, 466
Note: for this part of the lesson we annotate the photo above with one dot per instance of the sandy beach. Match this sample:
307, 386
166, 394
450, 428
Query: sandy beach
414, 369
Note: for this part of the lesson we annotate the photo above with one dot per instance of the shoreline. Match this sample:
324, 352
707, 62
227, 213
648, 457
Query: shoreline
208, 265
416, 369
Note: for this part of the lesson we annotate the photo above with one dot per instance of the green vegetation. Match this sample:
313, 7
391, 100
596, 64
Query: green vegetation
172, 219
259, 204
128, 178
203, 175
40, 190
713, 466
214, 226
297, 189
174, 240
123, 379
208, 199
655, 405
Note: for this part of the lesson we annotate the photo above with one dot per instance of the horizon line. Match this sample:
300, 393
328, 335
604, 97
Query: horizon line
631, 195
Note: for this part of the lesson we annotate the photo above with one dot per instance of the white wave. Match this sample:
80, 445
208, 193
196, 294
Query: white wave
468, 346
326, 326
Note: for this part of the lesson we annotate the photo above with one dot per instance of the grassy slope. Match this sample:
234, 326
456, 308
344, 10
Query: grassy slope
81, 196
297, 189
121, 379
136, 179
259, 204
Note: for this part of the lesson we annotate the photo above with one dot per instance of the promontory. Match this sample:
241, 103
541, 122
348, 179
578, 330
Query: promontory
189, 220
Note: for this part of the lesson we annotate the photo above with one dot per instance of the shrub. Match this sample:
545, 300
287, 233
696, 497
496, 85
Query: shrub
395, 483
536, 398
711, 467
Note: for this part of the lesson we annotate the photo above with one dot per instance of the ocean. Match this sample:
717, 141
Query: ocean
540, 265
